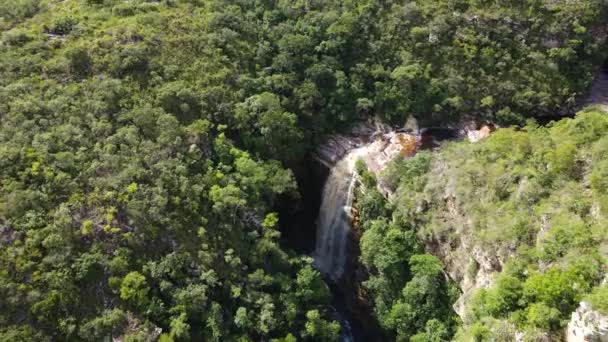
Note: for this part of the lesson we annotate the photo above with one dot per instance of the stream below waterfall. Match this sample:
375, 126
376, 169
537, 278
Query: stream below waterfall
350, 329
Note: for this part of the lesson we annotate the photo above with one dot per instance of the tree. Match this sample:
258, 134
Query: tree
134, 289
434, 331
504, 297
424, 298
80, 62
319, 329
180, 329
310, 287
274, 129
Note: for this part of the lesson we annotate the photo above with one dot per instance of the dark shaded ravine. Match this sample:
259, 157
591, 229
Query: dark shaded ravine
300, 219
298, 232
320, 225
598, 94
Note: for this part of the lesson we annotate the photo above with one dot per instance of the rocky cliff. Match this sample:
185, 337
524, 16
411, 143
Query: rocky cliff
587, 325
465, 260
467, 263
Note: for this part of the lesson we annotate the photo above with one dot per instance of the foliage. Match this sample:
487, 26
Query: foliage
598, 299
144, 146
412, 297
130, 197
525, 196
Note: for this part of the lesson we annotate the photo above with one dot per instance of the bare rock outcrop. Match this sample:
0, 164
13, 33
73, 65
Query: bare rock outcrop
476, 131
376, 154
477, 135
338, 145
587, 325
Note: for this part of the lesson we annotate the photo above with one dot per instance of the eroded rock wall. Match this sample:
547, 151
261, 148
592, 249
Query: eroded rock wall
587, 325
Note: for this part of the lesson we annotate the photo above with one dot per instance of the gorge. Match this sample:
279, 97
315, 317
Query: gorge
336, 245
208, 170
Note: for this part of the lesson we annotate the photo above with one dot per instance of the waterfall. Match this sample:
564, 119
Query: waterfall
335, 216
376, 147
346, 332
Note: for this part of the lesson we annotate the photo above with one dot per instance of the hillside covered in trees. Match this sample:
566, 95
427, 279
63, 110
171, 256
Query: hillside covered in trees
145, 146
529, 203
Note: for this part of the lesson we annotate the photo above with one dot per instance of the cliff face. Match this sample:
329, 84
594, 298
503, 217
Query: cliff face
476, 206
470, 265
524, 214
465, 259
338, 145
587, 325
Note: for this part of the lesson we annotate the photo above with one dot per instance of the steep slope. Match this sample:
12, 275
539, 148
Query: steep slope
144, 146
518, 220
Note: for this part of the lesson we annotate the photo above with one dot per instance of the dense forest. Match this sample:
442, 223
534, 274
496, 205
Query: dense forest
535, 196
145, 147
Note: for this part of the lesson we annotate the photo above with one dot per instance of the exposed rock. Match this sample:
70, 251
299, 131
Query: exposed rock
335, 148
479, 134
474, 130
145, 330
388, 147
411, 124
465, 260
384, 150
587, 325
338, 145
379, 147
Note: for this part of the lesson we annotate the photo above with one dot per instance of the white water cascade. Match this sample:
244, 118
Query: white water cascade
335, 216
376, 144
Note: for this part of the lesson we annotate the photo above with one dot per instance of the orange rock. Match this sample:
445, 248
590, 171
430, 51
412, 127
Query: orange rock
477, 135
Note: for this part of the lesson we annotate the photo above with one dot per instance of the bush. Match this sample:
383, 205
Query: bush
124, 10
134, 289
16, 37
562, 160
16, 11
133, 60
504, 297
79, 60
62, 26
598, 299
539, 315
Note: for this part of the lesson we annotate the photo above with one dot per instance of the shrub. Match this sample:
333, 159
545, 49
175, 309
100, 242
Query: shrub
598, 299
540, 315
15, 11
62, 26
79, 61
124, 10
16, 37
